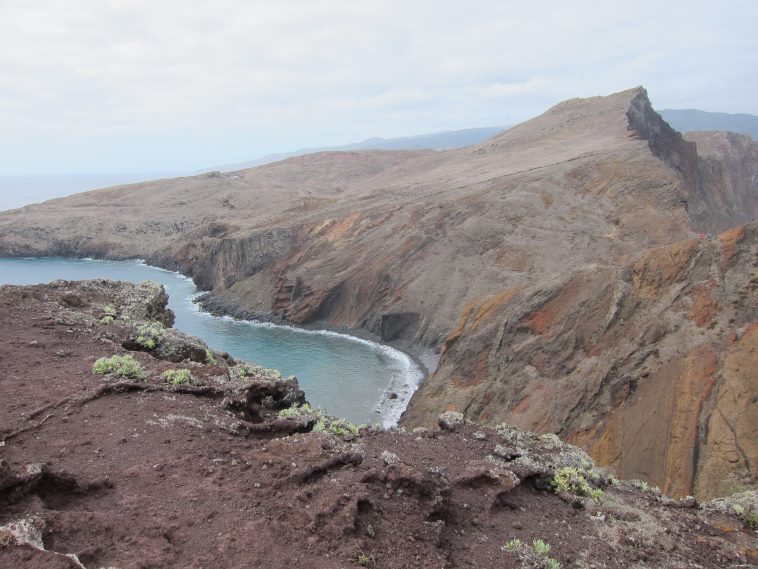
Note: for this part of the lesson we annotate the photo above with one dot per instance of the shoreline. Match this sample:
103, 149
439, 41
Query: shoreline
213, 303
424, 359
402, 391
396, 397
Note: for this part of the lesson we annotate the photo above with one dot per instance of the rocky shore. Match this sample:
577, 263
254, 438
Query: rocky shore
133, 462
221, 304
398, 394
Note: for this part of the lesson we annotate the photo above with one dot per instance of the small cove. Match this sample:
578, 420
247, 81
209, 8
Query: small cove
346, 376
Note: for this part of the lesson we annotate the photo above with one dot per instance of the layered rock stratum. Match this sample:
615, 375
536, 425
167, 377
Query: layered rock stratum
227, 468
557, 269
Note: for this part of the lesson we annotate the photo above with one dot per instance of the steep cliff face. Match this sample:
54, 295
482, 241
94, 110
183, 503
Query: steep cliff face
439, 248
649, 365
727, 179
217, 255
664, 142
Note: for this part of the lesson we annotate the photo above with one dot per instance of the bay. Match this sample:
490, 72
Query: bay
346, 376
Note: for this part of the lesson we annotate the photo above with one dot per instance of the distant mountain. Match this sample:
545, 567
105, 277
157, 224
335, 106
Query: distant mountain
443, 140
687, 120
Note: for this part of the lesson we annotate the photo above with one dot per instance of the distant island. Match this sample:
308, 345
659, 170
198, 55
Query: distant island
690, 120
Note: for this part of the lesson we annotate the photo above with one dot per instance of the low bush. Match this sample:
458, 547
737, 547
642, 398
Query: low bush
122, 366
364, 560
252, 370
177, 376
210, 358
574, 480
645, 487
513, 545
335, 426
749, 518
150, 335
324, 423
541, 547
299, 411
534, 557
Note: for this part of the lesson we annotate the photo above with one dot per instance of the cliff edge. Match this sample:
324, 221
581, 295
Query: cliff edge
142, 466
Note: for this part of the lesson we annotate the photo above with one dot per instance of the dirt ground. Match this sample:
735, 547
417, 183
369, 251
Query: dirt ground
143, 474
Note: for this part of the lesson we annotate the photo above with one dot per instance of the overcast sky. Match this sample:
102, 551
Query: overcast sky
94, 86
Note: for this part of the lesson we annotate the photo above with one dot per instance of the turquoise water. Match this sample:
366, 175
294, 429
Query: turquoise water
347, 377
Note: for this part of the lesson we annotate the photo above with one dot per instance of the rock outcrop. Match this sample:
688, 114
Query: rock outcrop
426, 247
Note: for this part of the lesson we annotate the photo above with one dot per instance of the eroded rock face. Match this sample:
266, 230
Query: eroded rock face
650, 366
727, 180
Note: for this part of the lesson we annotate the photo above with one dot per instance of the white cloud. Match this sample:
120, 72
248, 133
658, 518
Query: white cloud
75, 74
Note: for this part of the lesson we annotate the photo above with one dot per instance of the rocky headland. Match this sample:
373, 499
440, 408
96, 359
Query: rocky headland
142, 465
557, 269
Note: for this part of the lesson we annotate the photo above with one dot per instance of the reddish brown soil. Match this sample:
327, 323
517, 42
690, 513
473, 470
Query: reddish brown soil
154, 477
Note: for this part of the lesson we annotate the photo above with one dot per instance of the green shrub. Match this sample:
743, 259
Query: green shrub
513, 545
177, 376
107, 319
122, 366
750, 519
252, 370
324, 423
534, 557
335, 426
570, 479
150, 335
247, 370
299, 411
210, 358
364, 560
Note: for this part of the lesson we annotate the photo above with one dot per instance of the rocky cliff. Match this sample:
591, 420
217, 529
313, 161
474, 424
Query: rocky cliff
409, 245
727, 179
649, 365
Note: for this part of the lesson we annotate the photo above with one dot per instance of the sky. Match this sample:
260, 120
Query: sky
104, 86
